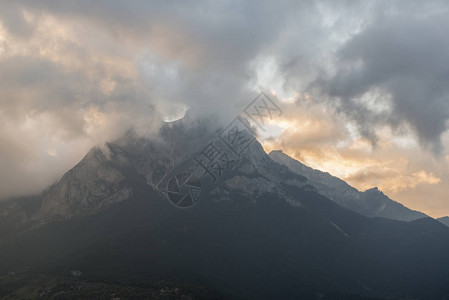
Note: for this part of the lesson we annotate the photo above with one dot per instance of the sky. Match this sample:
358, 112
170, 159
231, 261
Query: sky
363, 84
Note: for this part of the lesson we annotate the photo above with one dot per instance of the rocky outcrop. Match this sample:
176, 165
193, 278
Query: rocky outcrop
371, 203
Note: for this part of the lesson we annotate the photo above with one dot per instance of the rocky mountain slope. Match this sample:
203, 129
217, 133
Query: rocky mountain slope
260, 231
370, 203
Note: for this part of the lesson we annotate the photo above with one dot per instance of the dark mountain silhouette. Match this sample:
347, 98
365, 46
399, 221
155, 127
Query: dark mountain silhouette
261, 232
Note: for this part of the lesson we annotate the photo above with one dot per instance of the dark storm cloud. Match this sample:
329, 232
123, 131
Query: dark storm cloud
401, 49
406, 57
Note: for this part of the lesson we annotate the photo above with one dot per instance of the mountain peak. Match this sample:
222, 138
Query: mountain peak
100, 178
371, 203
278, 151
268, 206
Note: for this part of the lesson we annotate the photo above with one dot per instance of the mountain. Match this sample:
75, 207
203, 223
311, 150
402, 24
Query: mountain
444, 220
370, 203
260, 231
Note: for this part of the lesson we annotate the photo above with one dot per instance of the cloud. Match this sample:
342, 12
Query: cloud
15, 20
405, 57
211, 43
391, 181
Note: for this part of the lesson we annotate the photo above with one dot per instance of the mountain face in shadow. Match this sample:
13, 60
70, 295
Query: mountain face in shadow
260, 232
371, 203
